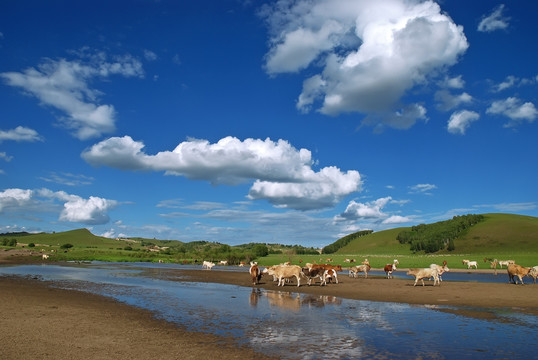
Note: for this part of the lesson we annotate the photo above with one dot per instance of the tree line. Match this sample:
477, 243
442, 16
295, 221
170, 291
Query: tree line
431, 238
340, 243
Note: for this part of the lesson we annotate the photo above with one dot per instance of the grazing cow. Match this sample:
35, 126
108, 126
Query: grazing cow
336, 268
207, 265
44, 256
255, 273
517, 270
534, 273
283, 272
440, 269
355, 270
470, 264
389, 268
312, 273
426, 273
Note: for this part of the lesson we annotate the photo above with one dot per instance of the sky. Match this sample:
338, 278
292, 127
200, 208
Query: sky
291, 121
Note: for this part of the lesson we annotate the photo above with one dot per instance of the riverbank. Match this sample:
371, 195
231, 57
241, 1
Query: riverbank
42, 322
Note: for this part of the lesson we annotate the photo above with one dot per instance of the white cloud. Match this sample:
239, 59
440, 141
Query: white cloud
369, 210
514, 109
494, 21
317, 190
12, 198
453, 83
422, 188
5, 156
283, 175
90, 211
372, 53
397, 219
460, 121
20, 133
447, 101
64, 85
75, 209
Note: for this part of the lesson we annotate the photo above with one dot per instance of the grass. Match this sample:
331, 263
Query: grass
501, 236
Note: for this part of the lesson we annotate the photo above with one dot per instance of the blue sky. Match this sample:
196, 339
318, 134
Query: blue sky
292, 122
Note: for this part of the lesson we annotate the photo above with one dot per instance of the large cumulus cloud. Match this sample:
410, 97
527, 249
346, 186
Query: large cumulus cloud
371, 53
281, 173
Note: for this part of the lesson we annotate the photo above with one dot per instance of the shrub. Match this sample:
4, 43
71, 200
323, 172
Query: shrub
66, 246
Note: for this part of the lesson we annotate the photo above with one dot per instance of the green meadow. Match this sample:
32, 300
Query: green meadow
496, 236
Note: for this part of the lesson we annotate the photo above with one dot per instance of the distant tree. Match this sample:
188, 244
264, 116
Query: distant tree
66, 246
31, 245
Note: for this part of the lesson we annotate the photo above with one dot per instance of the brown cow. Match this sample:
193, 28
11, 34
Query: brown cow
517, 270
255, 273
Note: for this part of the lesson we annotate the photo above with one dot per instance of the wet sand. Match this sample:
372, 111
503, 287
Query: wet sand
42, 322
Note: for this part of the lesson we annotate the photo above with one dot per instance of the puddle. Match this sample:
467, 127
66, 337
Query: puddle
302, 326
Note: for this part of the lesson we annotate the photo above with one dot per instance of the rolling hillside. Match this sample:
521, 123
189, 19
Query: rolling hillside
499, 233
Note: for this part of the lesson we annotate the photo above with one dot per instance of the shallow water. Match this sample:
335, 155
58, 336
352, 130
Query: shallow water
301, 326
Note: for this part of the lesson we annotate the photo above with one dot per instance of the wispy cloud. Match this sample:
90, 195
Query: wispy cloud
515, 109
64, 85
20, 133
460, 121
422, 188
494, 21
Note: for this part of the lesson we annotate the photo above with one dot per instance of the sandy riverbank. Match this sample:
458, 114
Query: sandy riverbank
41, 322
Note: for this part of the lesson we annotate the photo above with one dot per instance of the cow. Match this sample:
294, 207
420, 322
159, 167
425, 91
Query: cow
312, 273
426, 273
517, 270
440, 269
470, 264
283, 272
44, 256
389, 268
355, 270
207, 265
255, 273
336, 268
223, 262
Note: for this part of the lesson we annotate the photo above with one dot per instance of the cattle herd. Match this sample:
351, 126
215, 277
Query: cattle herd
327, 273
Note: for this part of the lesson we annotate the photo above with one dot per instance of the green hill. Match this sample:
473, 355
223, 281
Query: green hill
497, 233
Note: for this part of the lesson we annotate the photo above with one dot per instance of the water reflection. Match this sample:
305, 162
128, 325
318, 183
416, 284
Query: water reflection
301, 326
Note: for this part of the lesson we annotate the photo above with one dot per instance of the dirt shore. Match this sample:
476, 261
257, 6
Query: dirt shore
42, 322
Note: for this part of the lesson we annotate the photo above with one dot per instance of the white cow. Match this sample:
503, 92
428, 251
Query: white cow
426, 273
207, 265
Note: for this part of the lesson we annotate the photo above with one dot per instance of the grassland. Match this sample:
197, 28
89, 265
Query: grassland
500, 236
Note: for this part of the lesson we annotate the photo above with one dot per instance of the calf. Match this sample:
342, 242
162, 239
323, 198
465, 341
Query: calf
354, 270
327, 267
426, 273
517, 270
